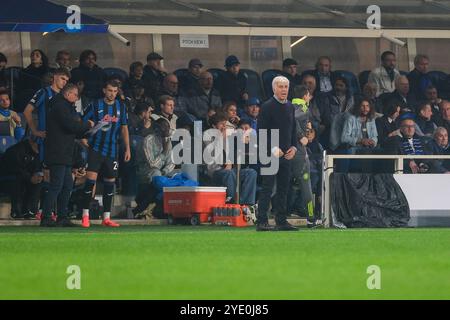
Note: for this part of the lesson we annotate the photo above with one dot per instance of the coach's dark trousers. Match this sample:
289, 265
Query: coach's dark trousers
61, 183
279, 204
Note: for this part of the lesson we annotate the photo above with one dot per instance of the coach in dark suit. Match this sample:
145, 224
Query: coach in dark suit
277, 114
63, 126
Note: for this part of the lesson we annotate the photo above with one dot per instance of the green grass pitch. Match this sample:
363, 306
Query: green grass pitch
209, 262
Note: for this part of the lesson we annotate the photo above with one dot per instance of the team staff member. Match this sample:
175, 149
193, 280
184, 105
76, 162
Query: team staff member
278, 113
63, 127
103, 149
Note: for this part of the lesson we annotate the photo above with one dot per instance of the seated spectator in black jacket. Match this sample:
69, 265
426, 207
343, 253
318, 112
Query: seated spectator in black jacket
439, 146
134, 78
199, 101
232, 84
433, 99
154, 74
418, 79
31, 78
4, 81
189, 82
324, 77
62, 60
21, 176
140, 121
408, 143
387, 125
170, 88
401, 96
425, 121
94, 77
290, 72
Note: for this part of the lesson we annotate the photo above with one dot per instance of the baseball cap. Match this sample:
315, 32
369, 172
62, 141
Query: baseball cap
195, 62
154, 56
253, 101
231, 61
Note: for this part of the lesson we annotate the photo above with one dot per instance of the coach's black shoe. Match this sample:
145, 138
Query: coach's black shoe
47, 223
65, 223
285, 226
265, 226
28, 215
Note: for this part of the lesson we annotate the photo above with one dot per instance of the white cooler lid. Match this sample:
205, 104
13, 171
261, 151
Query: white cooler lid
195, 189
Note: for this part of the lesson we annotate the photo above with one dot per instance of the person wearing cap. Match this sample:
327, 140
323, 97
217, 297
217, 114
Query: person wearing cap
252, 112
21, 176
189, 82
290, 72
154, 74
232, 84
202, 99
409, 143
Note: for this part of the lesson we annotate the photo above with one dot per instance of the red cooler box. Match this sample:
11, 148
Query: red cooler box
194, 203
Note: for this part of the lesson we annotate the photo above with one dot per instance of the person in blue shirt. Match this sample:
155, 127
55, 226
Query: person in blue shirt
103, 148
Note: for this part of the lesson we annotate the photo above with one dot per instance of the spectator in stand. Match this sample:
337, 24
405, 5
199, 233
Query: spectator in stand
170, 88
439, 146
166, 111
408, 143
418, 79
205, 98
94, 77
445, 111
252, 112
4, 81
62, 60
134, 78
386, 125
360, 131
232, 84
400, 96
324, 77
31, 78
140, 122
153, 158
424, 119
432, 98
154, 74
317, 102
230, 111
385, 75
83, 102
290, 72
224, 173
190, 81
370, 93
21, 176
9, 116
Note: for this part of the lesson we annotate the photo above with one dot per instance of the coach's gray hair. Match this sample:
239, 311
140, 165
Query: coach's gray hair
279, 79
68, 87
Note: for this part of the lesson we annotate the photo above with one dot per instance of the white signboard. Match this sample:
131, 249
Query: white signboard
194, 41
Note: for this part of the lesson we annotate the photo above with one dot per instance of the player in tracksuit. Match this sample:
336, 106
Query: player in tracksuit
301, 181
103, 149
38, 107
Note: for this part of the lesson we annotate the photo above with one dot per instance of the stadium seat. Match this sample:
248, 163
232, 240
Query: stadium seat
122, 73
351, 79
267, 77
6, 142
439, 80
363, 78
254, 86
216, 72
181, 72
